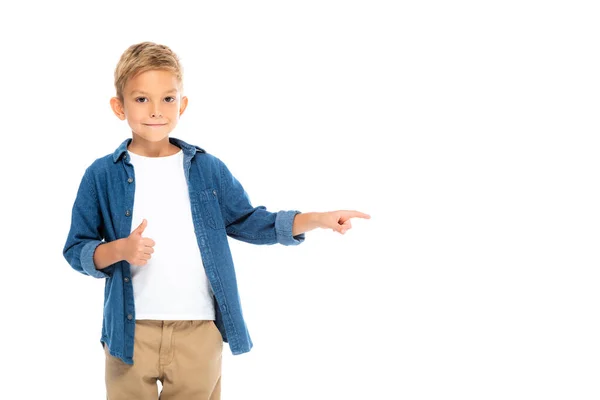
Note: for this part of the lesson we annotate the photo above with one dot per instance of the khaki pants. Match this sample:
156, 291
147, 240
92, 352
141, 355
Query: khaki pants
185, 356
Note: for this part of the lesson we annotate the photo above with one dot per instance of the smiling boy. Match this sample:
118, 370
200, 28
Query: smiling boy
153, 219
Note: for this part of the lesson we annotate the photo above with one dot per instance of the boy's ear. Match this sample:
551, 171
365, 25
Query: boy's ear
117, 107
183, 105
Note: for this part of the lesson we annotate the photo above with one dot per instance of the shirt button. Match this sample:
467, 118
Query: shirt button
127, 213
223, 307
129, 317
130, 180
126, 280
215, 192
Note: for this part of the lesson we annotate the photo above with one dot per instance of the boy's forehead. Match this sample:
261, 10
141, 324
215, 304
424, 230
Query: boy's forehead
153, 81
142, 91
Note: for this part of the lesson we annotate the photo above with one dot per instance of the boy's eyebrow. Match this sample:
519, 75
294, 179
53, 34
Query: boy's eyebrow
142, 92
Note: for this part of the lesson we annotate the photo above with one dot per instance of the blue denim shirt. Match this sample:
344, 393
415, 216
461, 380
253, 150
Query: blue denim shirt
220, 208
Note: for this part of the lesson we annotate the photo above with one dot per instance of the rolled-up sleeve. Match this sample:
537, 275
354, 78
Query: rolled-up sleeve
283, 226
250, 224
85, 231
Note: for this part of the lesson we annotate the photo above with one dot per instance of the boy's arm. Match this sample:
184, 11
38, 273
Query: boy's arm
108, 253
306, 222
337, 221
250, 224
85, 232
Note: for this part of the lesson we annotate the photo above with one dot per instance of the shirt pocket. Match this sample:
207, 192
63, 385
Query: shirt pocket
211, 211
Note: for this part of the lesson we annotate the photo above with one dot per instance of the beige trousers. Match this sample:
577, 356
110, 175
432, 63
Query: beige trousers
185, 356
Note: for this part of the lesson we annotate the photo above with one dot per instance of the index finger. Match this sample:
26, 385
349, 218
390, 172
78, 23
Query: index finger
357, 214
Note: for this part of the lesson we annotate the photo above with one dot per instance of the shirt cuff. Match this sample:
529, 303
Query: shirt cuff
284, 222
87, 259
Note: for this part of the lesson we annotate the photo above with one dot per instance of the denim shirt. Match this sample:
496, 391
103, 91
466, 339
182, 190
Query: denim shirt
220, 208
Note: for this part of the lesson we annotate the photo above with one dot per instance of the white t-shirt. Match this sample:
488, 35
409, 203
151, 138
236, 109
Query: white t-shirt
173, 284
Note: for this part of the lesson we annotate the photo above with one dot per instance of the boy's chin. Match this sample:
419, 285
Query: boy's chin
153, 136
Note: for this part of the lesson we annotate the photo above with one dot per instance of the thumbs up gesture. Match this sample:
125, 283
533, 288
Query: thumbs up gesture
137, 249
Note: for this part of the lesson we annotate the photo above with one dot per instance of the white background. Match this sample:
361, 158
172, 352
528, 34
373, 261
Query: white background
468, 130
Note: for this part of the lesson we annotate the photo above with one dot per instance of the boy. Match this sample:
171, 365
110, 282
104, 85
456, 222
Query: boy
171, 296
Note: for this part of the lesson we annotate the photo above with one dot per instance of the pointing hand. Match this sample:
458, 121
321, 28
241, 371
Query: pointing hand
339, 221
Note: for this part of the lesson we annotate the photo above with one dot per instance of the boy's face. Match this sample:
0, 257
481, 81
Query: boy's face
152, 104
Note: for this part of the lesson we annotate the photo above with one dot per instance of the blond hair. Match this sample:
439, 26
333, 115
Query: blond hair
144, 57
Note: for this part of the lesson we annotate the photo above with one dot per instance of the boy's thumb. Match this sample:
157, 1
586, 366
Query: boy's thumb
140, 229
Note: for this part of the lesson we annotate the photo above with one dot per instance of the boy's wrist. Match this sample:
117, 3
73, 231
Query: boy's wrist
108, 253
119, 243
317, 220
304, 222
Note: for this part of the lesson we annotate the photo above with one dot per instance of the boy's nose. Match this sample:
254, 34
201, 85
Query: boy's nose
156, 114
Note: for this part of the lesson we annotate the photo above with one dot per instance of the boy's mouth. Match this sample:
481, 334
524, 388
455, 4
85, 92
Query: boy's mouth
155, 125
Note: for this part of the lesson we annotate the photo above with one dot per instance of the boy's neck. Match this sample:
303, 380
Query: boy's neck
147, 148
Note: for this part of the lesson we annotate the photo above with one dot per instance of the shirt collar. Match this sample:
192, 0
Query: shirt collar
188, 149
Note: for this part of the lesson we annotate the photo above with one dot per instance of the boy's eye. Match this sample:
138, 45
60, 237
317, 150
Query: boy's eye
141, 99
169, 99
